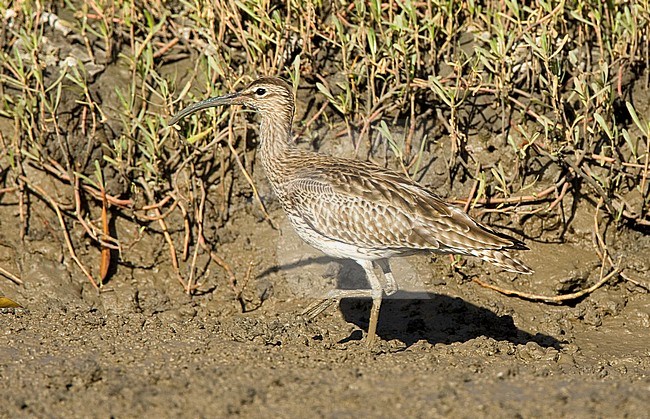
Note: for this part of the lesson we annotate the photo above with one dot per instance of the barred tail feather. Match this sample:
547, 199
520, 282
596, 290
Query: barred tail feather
503, 259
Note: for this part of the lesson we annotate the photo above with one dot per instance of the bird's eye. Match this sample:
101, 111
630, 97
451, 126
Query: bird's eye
260, 91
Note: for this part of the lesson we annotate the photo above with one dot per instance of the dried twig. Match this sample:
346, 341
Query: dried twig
232, 280
472, 191
106, 251
10, 189
168, 237
163, 215
39, 191
10, 276
311, 120
240, 294
603, 254
251, 183
541, 196
550, 299
200, 211
601, 250
169, 45
188, 231
55, 169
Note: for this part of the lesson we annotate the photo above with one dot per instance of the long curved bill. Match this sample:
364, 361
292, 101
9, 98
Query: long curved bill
204, 104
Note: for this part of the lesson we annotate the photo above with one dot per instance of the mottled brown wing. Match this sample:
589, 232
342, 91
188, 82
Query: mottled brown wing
368, 206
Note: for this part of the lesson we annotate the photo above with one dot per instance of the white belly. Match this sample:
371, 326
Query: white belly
338, 249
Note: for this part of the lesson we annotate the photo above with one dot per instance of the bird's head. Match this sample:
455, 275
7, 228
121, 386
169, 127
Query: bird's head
270, 96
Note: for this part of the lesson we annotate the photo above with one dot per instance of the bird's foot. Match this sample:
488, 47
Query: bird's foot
391, 288
313, 310
333, 296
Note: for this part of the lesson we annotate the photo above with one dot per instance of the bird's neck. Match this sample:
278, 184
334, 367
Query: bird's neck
276, 146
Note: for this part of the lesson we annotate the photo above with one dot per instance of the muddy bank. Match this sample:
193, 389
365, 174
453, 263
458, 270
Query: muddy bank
448, 347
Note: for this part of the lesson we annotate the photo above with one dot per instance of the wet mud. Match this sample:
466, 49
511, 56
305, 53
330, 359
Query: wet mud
143, 348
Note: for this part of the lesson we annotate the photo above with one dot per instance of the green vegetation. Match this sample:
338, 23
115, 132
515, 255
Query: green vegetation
86, 89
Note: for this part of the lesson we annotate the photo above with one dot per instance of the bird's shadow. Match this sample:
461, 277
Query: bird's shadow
410, 316
437, 318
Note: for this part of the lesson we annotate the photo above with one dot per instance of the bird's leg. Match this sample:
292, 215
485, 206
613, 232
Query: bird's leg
376, 293
391, 286
332, 297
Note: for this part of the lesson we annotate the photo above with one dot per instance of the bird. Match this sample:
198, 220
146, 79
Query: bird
353, 209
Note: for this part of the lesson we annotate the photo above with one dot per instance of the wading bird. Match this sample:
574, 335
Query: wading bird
357, 210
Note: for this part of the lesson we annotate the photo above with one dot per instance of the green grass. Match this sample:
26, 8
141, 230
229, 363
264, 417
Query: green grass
86, 89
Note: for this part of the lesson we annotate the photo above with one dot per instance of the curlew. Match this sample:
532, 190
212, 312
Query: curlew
357, 210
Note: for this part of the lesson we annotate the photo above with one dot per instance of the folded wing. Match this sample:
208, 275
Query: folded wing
368, 206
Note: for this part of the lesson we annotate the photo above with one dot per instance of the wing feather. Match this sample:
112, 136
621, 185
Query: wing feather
365, 205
